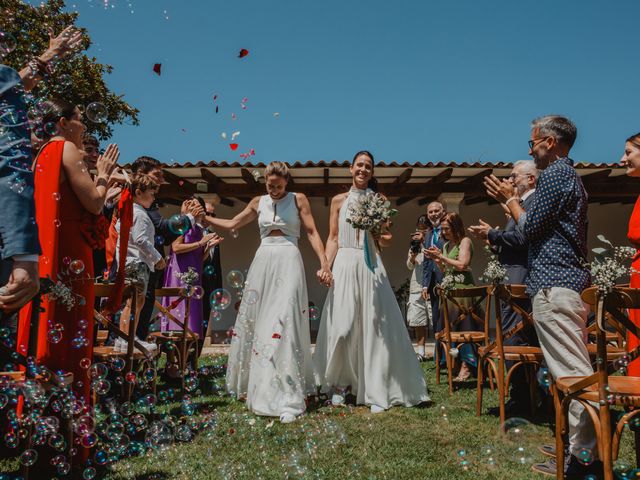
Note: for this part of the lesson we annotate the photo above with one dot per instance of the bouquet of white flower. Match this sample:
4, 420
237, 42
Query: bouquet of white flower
609, 265
370, 213
495, 272
450, 280
189, 278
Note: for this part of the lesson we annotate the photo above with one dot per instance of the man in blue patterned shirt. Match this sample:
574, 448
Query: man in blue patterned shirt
555, 227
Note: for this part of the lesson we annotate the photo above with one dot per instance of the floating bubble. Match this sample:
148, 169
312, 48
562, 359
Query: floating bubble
89, 441
54, 335
585, 456
197, 292
50, 129
235, 278
56, 197
89, 473
250, 297
216, 315
454, 352
76, 266
7, 43
117, 364
314, 313
209, 270
179, 224
28, 457
98, 370
234, 233
220, 299
96, 112
131, 377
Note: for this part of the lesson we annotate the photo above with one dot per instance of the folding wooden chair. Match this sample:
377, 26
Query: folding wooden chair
599, 391
495, 354
467, 302
187, 350
137, 358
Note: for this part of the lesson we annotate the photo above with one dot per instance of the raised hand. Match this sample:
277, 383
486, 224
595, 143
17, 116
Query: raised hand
499, 190
480, 231
107, 161
65, 43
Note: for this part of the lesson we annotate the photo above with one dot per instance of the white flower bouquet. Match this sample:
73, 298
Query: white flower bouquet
495, 272
450, 280
189, 278
609, 265
370, 213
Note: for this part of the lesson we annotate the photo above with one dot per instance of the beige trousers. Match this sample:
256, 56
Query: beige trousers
560, 319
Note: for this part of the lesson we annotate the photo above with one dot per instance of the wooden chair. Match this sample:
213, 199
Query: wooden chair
188, 349
599, 391
467, 303
496, 353
137, 358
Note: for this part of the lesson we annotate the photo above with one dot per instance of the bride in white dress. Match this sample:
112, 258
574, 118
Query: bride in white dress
363, 345
270, 356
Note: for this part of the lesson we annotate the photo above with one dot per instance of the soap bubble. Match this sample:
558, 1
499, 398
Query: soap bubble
314, 313
7, 43
235, 278
220, 299
179, 224
96, 112
76, 266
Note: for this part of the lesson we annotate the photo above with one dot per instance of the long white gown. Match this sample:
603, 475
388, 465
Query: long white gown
362, 341
270, 356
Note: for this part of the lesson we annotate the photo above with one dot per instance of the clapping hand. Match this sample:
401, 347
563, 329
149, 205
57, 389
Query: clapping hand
433, 253
481, 231
214, 239
66, 42
107, 162
499, 190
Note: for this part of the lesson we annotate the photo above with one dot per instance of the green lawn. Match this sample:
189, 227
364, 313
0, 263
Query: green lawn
444, 441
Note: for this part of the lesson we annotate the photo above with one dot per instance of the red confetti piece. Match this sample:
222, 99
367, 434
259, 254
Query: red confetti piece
243, 53
215, 97
157, 67
233, 146
252, 152
276, 335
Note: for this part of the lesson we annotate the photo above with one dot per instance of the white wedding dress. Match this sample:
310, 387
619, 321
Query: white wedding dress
270, 356
363, 343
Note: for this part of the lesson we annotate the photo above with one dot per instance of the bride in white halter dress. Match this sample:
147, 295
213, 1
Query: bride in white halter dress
363, 345
270, 356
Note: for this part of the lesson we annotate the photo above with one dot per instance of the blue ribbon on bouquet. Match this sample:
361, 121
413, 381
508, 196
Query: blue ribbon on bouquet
368, 259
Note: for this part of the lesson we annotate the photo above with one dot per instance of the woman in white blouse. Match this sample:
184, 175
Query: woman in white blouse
270, 356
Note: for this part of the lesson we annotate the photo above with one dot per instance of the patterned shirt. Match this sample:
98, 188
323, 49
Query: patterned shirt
555, 227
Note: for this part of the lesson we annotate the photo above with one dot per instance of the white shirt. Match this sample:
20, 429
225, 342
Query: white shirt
141, 237
415, 284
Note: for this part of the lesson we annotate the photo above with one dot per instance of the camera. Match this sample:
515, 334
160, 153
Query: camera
416, 246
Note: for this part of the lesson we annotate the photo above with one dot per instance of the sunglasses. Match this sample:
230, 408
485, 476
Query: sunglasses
533, 143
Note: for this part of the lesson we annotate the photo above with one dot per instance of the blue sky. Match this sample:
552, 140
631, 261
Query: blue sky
409, 80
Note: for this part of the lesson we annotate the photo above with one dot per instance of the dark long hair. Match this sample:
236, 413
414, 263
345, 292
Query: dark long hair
373, 181
55, 109
457, 227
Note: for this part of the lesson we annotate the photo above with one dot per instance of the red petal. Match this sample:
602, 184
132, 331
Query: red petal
276, 335
243, 53
233, 146
157, 67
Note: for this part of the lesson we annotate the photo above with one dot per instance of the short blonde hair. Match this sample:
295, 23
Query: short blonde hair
143, 183
278, 168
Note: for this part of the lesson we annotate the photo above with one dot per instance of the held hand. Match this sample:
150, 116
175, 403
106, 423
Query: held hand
500, 190
160, 265
107, 161
23, 284
425, 294
214, 240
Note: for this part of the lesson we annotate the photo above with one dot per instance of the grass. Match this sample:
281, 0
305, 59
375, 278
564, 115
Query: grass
444, 441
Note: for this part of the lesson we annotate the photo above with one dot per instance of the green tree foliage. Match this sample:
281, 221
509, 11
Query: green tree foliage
77, 79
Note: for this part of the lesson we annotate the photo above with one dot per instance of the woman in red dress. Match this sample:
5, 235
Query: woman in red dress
68, 206
631, 160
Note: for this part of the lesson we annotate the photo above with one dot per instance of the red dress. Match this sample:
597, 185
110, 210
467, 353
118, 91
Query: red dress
68, 233
634, 237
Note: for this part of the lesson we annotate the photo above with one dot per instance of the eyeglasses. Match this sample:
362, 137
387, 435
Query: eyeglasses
533, 143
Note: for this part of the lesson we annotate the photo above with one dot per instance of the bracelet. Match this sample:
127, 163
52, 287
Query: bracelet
509, 200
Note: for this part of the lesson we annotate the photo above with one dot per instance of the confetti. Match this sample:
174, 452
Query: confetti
215, 97
243, 53
276, 114
233, 146
224, 135
234, 135
157, 67
216, 109
233, 116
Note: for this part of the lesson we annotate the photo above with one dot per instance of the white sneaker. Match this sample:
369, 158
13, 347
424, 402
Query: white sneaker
149, 346
120, 345
287, 418
337, 400
377, 409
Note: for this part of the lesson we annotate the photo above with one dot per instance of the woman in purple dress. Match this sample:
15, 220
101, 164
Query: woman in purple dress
188, 250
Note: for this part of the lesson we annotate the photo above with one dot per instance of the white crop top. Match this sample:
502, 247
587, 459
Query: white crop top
280, 215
